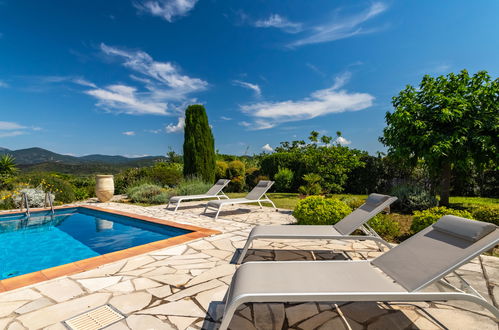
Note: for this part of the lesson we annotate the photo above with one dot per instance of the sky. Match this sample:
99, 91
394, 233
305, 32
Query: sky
114, 77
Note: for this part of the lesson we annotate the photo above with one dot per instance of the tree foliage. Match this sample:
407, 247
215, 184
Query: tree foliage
199, 145
449, 121
332, 163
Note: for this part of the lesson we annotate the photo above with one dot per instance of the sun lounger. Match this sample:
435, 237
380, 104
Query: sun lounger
358, 219
214, 192
399, 275
257, 195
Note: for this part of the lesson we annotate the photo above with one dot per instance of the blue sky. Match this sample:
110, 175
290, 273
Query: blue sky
114, 77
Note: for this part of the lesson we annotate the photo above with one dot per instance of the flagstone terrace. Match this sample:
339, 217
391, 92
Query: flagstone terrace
182, 287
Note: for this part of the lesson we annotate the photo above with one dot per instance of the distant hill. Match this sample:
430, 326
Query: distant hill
38, 159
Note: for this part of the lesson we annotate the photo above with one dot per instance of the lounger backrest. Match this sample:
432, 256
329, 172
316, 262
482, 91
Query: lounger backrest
437, 250
374, 204
217, 187
260, 189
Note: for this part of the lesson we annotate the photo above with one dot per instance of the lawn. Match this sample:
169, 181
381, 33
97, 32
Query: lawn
289, 200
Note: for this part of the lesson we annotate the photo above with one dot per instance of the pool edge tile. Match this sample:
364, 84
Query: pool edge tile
23, 280
62, 270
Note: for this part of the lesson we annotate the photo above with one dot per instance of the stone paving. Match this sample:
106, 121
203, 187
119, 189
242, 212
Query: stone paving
183, 287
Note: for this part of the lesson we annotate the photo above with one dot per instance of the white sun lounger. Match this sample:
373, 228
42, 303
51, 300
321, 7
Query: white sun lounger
399, 275
257, 195
342, 230
214, 192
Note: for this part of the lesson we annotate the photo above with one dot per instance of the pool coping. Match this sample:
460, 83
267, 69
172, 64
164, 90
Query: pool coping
94, 262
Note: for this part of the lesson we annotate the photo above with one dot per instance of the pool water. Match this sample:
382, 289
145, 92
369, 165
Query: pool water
45, 240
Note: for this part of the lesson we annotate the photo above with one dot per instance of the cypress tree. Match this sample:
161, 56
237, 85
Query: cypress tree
199, 145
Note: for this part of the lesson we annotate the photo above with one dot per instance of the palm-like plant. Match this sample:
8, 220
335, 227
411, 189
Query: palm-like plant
7, 165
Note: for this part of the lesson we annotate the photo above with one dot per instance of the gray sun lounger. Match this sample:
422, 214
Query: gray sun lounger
358, 219
399, 275
257, 195
214, 192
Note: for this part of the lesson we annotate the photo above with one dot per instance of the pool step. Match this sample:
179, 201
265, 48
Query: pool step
94, 319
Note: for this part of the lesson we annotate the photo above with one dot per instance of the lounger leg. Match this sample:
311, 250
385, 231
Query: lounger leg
245, 250
168, 206
228, 314
176, 206
260, 204
205, 209
218, 212
271, 202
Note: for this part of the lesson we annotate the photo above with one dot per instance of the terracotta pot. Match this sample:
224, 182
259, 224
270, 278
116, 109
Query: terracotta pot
104, 187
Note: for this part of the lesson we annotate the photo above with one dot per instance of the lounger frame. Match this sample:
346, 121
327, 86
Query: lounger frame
370, 233
404, 295
219, 195
263, 199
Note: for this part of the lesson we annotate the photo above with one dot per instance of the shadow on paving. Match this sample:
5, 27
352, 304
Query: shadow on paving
284, 255
308, 316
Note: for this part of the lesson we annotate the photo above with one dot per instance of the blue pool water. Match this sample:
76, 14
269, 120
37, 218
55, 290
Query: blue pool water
45, 240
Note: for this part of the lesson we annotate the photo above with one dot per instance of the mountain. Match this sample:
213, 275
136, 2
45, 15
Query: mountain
38, 159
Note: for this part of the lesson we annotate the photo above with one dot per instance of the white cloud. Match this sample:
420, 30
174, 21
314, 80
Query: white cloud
279, 22
341, 140
8, 125
320, 103
225, 118
171, 128
83, 82
153, 131
129, 133
9, 129
342, 28
162, 83
254, 87
12, 133
124, 99
267, 147
244, 124
166, 9
3, 84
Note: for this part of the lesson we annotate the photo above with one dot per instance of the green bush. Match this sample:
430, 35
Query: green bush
58, 184
221, 169
312, 186
385, 226
487, 213
413, 198
164, 174
236, 173
423, 219
252, 175
353, 202
193, 186
283, 180
317, 210
150, 193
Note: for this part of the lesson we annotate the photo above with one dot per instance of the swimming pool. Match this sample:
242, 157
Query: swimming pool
44, 240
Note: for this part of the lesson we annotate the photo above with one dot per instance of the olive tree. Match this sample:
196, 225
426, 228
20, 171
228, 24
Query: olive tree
449, 121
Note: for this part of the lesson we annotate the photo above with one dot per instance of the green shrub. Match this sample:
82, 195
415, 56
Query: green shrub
236, 173
236, 168
413, 198
385, 226
63, 190
193, 186
312, 186
221, 169
252, 175
423, 219
150, 193
283, 180
317, 210
353, 202
6, 201
487, 213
